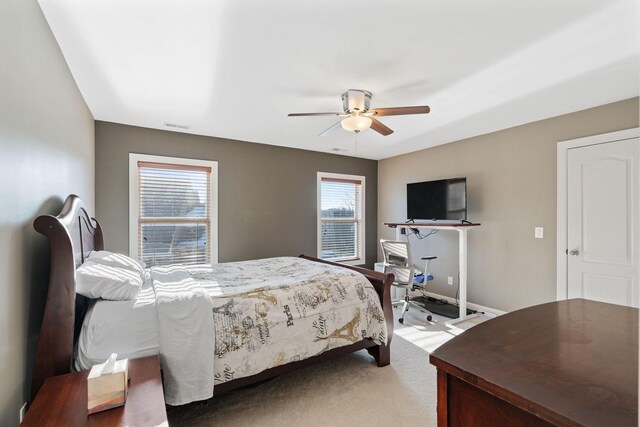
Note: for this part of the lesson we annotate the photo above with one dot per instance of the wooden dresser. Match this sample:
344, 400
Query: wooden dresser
567, 363
62, 400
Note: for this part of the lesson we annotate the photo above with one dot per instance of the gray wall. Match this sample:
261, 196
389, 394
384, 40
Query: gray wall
267, 194
511, 188
46, 152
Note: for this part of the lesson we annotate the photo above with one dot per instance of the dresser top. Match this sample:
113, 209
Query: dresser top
574, 361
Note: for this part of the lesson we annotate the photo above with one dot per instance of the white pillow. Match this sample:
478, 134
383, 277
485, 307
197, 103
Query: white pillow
95, 280
113, 259
109, 276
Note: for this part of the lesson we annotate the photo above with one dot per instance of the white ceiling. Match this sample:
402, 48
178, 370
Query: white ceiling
235, 68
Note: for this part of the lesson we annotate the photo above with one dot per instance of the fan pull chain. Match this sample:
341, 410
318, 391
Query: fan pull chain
356, 147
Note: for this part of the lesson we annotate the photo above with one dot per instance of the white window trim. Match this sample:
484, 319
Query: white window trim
133, 198
363, 245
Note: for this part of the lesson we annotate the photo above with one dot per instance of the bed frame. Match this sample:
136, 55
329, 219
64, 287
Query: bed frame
72, 235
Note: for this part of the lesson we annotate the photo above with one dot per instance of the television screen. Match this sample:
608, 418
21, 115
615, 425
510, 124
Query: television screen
445, 199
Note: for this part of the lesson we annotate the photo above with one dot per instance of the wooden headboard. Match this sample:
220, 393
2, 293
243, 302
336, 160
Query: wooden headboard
72, 235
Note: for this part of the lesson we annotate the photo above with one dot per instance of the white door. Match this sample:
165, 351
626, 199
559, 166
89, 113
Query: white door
602, 222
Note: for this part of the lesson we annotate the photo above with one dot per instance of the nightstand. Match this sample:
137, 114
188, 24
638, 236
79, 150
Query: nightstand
62, 400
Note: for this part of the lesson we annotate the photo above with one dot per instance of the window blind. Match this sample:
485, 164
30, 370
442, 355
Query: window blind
174, 214
340, 219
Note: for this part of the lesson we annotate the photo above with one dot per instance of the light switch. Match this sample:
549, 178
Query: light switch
539, 232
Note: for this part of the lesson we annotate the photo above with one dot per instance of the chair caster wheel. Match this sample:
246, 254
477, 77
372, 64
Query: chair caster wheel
429, 318
401, 320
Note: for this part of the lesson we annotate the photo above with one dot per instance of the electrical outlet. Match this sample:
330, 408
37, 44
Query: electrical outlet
449, 280
23, 411
539, 232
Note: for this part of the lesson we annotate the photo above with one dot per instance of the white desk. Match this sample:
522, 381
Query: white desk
462, 251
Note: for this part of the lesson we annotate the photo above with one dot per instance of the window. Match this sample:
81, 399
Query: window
172, 210
341, 217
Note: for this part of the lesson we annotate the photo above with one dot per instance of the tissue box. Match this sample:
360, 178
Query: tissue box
107, 391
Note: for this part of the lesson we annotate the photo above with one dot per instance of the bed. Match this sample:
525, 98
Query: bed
74, 234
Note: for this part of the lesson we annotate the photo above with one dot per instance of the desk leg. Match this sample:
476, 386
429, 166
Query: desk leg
463, 273
442, 405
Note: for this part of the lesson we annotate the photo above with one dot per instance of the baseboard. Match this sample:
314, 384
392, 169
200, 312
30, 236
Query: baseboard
492, 312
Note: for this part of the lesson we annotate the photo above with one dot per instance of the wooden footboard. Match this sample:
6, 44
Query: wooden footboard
381, 353
382, 283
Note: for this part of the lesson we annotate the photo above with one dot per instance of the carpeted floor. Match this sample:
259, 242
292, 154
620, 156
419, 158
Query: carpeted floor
348, 391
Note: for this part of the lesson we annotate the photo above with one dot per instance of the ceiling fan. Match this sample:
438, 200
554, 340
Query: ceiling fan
359, 117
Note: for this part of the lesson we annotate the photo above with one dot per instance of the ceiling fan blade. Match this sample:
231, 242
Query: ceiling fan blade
379, 127
400, 111
331, 129
314, 114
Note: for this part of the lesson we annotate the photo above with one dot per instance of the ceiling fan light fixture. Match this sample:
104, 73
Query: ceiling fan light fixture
359, 117
356, 123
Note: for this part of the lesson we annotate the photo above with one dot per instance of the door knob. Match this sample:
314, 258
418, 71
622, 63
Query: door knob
574, 252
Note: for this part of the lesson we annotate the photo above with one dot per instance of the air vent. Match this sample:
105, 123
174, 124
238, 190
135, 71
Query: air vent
177, 126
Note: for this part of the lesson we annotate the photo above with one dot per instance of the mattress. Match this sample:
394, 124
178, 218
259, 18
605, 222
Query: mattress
127, 328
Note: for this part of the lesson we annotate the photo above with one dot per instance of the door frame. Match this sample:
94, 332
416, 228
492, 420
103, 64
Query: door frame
563, 148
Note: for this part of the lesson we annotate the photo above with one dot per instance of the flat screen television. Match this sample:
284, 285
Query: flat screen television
444, 199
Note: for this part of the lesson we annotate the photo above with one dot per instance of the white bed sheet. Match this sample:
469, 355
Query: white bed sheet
128, 328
